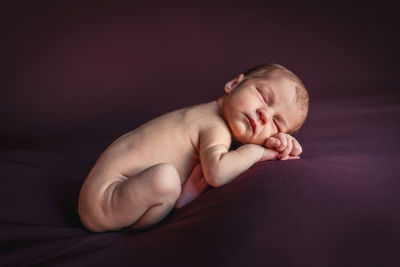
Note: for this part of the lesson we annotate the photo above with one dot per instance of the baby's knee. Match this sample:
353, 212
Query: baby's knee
166, 181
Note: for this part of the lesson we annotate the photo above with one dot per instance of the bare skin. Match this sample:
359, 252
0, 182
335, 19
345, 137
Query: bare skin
138, 179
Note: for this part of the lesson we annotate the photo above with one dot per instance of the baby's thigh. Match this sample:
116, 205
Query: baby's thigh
156, 184
108, 202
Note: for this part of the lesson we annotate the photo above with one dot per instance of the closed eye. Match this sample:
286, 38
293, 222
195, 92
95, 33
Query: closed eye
277, 127
262, 95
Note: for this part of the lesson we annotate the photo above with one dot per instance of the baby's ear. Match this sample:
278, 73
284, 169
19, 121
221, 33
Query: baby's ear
229, 86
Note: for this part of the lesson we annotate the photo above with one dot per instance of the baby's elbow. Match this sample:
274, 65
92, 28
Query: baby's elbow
213, 182
213, 178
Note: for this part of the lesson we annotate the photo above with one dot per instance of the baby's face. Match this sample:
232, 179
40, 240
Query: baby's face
258, 108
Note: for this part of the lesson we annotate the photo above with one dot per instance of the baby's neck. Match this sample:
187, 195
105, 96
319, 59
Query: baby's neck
220, 104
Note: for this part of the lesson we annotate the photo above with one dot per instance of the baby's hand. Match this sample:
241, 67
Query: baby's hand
286, 144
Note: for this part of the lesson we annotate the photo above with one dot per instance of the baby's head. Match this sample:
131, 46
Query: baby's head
263, 101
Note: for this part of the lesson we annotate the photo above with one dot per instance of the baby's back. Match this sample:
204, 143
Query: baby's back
171, 138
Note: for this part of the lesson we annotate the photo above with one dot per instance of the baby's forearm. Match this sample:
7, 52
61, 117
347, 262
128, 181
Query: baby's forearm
221, 168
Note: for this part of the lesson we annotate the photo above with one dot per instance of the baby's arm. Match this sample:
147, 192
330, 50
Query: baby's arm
220, 165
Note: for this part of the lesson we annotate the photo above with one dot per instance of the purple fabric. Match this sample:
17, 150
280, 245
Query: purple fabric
74, 78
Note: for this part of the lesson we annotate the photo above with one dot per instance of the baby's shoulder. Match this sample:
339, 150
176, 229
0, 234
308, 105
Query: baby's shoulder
206, 115
209, 123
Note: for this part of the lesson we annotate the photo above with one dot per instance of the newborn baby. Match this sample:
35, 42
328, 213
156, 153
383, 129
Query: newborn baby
138, 179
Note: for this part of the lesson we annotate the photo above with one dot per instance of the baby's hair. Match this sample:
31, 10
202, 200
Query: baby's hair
301, 91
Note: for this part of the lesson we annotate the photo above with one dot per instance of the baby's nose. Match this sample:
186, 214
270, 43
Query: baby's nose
263, 116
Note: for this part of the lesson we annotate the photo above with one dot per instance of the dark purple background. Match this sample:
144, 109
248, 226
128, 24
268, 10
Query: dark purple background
83, 71
74, 77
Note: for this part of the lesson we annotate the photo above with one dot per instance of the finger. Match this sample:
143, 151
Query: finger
297, 149
272, 142
269, 154
284, 142
285, 153
290, 157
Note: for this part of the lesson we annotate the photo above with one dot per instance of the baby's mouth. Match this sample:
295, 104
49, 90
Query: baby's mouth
252, 123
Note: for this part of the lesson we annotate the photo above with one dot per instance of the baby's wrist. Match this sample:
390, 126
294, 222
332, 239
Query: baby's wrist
269, 154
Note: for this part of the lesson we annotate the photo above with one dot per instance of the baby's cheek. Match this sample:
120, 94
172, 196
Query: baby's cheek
240, 131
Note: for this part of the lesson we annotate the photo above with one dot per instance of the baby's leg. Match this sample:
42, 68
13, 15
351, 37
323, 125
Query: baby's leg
194, 186
137, 202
